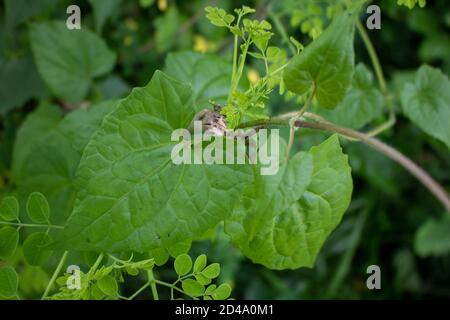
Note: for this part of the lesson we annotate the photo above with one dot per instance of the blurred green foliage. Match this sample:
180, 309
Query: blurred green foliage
393, 221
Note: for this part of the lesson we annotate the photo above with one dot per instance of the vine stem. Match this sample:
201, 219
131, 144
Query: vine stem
55, 275
435, 188
30, 225
152, 282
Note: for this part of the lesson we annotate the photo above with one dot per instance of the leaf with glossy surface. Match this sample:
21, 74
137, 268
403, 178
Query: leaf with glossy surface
426, 102
326, 64
130, 194
69, 60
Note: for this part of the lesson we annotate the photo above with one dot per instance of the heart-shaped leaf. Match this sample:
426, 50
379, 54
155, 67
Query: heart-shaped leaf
130, 194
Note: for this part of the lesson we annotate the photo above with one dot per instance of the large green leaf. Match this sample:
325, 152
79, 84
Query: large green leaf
48, 149
19, 71
208, 74
69, 60
326, 64
433, 237
362, 104
284, 220
426, 102
130, 194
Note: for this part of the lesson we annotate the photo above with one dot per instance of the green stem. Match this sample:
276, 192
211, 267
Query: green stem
30, 225
55, 275
240, 68
299, 115
152, 282
95, 266
134, 295
373, 56
235, 56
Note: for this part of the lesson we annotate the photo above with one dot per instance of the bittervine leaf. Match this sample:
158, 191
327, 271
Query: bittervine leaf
426, 102
326, 64
130, 194
284, 221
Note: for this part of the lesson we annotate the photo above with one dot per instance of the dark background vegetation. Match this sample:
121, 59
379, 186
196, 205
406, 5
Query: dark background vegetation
388, 204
